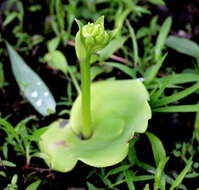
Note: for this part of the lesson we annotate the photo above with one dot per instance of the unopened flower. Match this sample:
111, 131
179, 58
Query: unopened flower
91, 38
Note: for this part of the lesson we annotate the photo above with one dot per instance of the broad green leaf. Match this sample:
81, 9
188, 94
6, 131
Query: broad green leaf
112, 127
183, 45
34, 185
56, 60
157, 148
114, 45
31, 85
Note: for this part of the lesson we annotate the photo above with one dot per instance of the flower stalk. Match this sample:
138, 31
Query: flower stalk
85, 90
90, 38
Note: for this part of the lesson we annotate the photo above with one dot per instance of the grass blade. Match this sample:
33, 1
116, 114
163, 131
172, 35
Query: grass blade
129, 180
181, 108
143, 178
177, 96
196, 127
134, 43
164, 30
2, 79
160, 182
117, 170
124, 68
153, 70
157, 2
180, 78
181, 176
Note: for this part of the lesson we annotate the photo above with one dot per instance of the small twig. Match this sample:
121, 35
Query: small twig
71, 43
40, 170
114, 57
117, 58
37, 169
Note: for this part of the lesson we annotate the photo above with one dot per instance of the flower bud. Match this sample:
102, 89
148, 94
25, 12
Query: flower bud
92, 37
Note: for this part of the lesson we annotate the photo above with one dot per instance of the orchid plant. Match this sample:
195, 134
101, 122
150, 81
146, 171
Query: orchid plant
104, 117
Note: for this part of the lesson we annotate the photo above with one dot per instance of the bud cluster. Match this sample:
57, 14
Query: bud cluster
91, 38
95, 36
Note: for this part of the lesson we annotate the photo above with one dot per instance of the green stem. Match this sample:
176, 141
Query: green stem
85, 87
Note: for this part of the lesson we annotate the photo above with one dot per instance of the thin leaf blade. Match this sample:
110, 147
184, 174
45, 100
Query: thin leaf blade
157, 148
164, 30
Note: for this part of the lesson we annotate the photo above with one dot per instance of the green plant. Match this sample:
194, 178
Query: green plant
160, 102
20, 138
104, 117
13, 185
